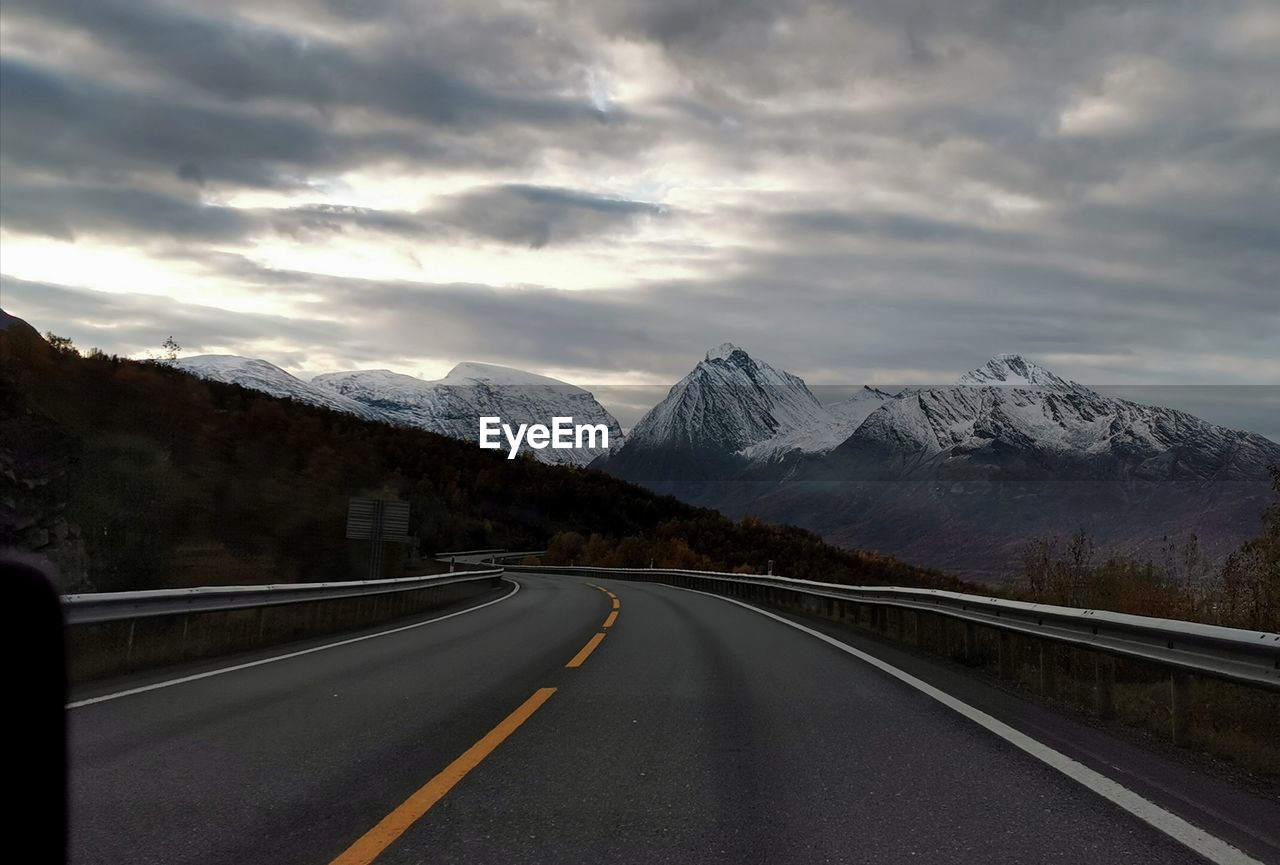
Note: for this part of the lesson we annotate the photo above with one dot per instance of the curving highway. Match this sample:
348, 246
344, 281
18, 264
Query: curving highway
567, 721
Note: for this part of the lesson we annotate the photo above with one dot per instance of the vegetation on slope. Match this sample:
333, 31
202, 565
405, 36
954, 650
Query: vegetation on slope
1242, 592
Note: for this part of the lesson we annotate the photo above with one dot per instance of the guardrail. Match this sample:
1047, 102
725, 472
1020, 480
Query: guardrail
118, 632
96, 607
1245, 657
502, 557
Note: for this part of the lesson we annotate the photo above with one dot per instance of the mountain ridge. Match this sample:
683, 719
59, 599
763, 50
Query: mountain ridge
958, 475
450, 406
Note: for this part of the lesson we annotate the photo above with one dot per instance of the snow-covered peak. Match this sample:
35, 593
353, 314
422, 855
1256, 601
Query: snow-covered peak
1068, 423
351, 381
470, 372
725, 351
454, 404
732, 403
209, 365
1016, 371
261, 375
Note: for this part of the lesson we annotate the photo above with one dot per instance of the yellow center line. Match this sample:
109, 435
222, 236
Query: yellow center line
616, 603
586, 651
376, 840
613, 617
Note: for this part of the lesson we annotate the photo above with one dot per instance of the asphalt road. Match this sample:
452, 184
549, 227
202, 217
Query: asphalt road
694, 731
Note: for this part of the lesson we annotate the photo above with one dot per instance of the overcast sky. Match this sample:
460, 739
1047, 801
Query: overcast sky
884, 191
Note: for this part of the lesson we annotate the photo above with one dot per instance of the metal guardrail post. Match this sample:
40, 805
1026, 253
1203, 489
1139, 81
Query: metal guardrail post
1179, 706
1104, 673
1048, 668
1006, 655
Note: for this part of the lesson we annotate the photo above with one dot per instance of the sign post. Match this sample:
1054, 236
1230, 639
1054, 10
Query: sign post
378, 521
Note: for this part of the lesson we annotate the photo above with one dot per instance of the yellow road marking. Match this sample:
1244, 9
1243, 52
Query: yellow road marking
376, 840
586, 651
616, 603
613, 617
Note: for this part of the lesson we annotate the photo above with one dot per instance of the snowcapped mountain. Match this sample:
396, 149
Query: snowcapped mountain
454, 404
264, 376
1016, 371
1011, 416
733, 409
957, 476
451, 406
734, 404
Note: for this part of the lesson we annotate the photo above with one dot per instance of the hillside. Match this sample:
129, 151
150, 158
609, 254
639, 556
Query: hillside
134, 475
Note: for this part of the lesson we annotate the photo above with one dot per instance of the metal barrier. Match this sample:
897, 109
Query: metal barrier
1246, 657
98, 607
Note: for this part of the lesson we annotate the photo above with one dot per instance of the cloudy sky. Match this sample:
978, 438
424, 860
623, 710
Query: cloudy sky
889, 190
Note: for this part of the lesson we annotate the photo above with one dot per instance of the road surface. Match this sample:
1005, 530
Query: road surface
694, 730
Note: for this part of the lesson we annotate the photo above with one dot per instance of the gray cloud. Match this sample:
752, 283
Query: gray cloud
538, 215
63, 211
64, 125
414, 74
128, 323
517, 214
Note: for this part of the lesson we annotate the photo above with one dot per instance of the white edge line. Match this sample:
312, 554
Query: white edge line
218, 672
1209, 846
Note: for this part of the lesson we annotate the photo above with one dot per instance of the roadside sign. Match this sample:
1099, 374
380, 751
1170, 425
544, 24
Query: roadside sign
379, 521
371, 519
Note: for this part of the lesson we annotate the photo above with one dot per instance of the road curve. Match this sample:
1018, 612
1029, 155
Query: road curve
693, 730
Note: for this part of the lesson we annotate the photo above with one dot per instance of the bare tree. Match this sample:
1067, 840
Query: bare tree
171, 348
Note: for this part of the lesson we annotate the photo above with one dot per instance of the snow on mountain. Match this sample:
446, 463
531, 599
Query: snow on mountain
853, 411
733, 404
1011, 406
451, 406
470, 372
1015, 371
454, 404
264, 376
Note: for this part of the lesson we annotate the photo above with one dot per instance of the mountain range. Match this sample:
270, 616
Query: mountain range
1008, 419
957, 476
451, 406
